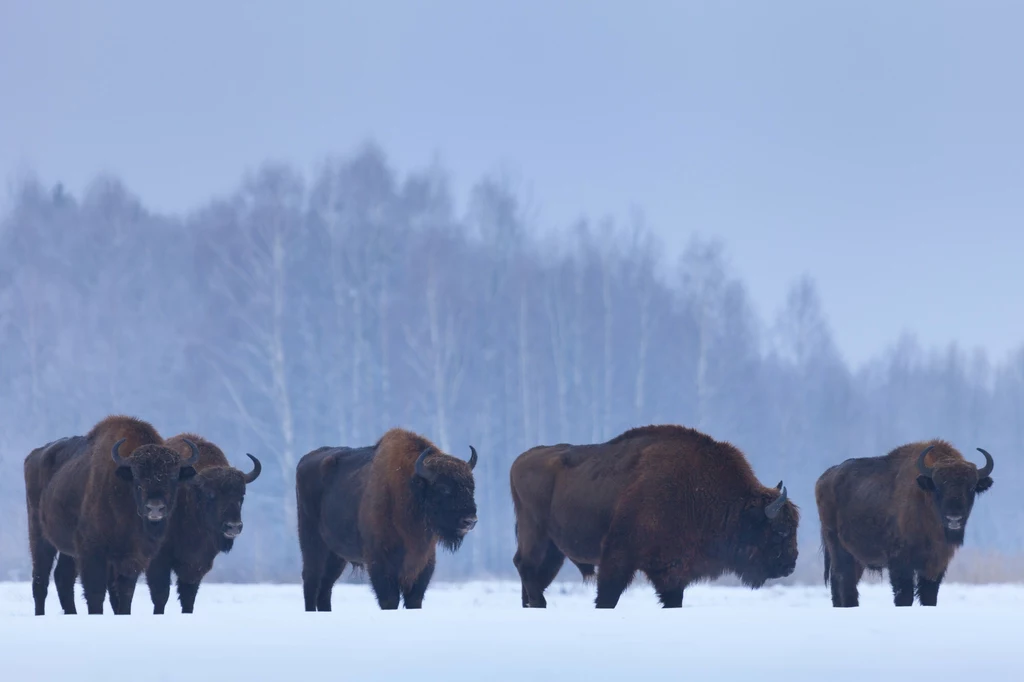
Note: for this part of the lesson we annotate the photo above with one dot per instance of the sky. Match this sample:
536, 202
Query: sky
878, 147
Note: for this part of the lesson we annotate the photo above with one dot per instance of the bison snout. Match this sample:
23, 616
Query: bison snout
156, 510
232, 529
955, 522
467, 524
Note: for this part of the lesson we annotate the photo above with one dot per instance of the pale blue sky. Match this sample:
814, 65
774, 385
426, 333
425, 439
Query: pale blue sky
877, 146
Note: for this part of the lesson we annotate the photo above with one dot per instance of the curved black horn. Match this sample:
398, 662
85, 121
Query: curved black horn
195, 454
421, 470
989, 464
472, 458
115, 453
925, 471
773, 508
256, 469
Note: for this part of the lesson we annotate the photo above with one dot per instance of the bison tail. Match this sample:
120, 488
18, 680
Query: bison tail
828, 563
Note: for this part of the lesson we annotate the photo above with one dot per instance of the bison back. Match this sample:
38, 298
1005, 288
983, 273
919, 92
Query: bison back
209, 454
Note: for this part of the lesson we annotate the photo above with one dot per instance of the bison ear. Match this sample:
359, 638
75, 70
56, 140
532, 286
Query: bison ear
926, 483
185, 473
124, 473
983, 484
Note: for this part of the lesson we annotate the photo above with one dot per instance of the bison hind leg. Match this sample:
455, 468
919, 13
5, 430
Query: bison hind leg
333, 569
845, 574
43, 555
537, 573
64, 577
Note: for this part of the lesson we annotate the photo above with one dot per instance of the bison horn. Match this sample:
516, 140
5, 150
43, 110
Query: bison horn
195, 454
773, 508
115, 453
925, 471
472, 458
422, 471
989, 464
256, 469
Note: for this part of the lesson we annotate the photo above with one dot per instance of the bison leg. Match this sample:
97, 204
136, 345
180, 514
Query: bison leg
333, 569
314, 560
43, 554
846, 574
901, 577
928, 590
93, 569
615, 573
668, 587
537, 573
124, 588
385, 583
64, 578
158, 578
112, 590
413, 597
187, 592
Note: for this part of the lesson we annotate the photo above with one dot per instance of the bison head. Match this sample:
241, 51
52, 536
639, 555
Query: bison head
768, 547
443, 487
154, 472
953, 484
219, 493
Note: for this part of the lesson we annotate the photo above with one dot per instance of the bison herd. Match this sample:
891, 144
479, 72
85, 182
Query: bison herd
666, 501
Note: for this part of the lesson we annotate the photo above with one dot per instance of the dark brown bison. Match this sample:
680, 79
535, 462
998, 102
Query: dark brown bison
385, 507
665, 500
104, 501
206, 522
905, 511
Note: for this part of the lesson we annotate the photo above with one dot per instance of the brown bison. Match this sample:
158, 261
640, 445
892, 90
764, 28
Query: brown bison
104, 501
385, 507
206, 522
905, 511
665, 500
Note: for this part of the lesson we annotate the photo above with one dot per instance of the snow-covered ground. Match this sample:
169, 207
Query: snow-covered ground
478, 631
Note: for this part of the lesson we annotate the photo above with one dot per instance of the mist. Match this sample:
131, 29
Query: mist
795, 228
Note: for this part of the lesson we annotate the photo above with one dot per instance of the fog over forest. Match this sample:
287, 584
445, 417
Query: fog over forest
303, 310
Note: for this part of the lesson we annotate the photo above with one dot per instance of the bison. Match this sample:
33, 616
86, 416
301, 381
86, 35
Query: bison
104, 501
206, 522
385, 507
905, 511
666, 500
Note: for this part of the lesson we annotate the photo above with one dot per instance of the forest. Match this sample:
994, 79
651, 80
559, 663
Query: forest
309, 309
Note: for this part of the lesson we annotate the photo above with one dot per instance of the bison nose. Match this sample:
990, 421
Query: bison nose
468, 524
954, 521
232, 529
155, 510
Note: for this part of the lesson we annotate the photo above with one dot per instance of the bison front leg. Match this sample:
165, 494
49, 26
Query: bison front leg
928, 590
64, 577
187, 592
413, 596
669, 588
901, 577
384, 572
158, 579
93, 569
124, 588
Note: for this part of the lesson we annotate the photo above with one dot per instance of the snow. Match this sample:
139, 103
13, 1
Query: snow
478, 630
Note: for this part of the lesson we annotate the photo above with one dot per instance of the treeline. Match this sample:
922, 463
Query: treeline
298, 312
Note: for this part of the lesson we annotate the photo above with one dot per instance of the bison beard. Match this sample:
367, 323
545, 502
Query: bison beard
385, 507
105, 512
206, 522
897, 513
668, 501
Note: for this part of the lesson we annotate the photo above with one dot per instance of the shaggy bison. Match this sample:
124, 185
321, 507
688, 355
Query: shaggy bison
206, 522
905, 511
104, 502
665, 500
385, 507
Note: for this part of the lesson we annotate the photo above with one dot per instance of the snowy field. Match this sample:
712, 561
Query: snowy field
477, 631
